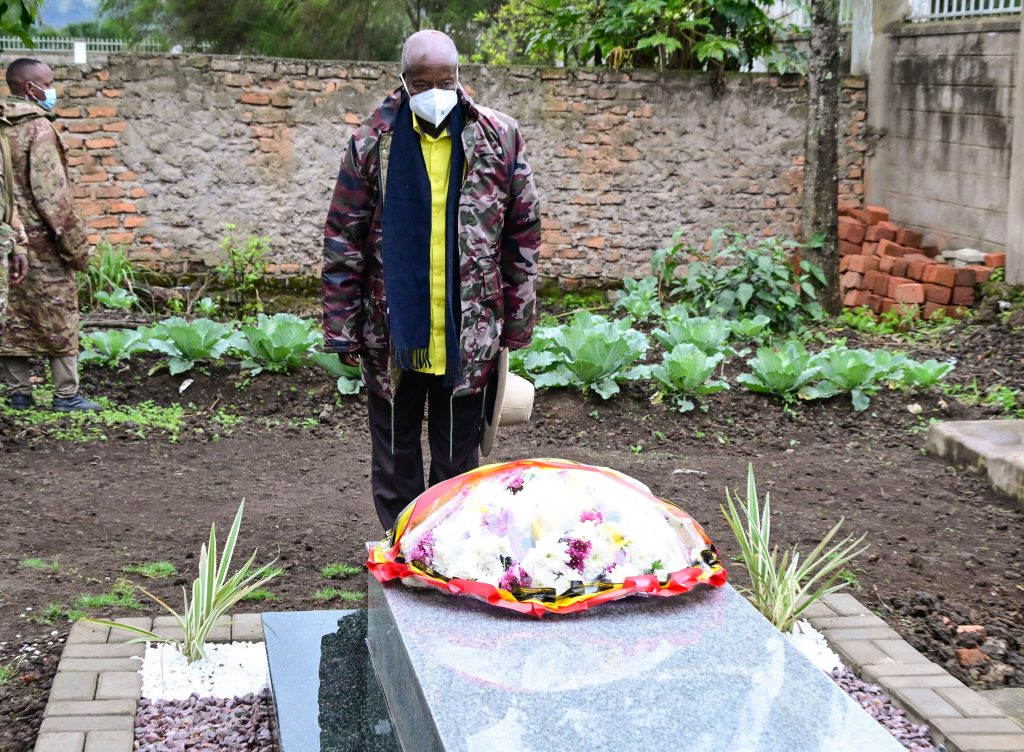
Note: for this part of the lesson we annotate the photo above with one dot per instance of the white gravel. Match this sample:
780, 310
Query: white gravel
812, 644
229, 670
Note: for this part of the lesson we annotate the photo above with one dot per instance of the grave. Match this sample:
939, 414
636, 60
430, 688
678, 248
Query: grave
703, 671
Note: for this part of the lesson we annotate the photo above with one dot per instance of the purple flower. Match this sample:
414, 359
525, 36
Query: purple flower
515, 577
578, 551
591, 514
423, 551
497, 523
515, 486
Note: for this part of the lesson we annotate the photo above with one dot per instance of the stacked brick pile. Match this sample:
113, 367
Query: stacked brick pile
886, 267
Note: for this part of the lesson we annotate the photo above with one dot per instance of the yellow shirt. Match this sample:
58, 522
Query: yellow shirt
437, 156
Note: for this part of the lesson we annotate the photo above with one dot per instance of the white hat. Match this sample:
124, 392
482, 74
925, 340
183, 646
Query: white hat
513, 403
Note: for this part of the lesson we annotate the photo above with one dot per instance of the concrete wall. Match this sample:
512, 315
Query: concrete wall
166, 149
943, 165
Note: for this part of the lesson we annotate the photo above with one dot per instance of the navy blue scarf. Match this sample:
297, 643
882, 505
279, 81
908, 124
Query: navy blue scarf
406, 247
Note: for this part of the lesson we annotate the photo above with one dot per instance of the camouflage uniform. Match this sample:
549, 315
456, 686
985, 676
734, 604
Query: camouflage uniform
8, 249
499, 238
42, 314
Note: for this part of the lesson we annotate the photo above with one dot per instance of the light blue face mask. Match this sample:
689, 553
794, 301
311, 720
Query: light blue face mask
49, 98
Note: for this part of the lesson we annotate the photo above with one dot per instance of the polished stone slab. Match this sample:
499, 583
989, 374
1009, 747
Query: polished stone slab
700, 672
325, 694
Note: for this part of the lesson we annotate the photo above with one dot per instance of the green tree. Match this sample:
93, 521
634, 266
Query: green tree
17, 17
715, 35
311, 29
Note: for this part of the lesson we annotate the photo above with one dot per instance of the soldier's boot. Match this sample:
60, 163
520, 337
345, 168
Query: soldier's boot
17, 374
73, 404
66, 397
22, 401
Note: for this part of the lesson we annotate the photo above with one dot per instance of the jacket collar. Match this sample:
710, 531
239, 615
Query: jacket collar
14, 109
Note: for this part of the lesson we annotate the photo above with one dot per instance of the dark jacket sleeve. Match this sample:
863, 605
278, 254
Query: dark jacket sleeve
345, 234
520, 246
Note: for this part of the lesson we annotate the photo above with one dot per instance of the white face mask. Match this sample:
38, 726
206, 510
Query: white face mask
433, 105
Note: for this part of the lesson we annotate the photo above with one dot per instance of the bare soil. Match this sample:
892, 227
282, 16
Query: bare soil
942, 543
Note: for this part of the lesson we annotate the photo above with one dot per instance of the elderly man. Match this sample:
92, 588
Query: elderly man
42, 314
430, 253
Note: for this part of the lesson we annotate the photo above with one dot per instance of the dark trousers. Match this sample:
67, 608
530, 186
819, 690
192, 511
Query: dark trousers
453, 432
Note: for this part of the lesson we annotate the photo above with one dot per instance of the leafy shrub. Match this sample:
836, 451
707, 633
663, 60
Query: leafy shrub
782, 588
597, 354
214, 593
686, 372
350, 378
186, 343
246, 264
119, 299
277, 343
111, 347
737, 280
782, 371
640, 298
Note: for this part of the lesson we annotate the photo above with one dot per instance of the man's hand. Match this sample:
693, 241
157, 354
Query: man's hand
349, 359
19, 268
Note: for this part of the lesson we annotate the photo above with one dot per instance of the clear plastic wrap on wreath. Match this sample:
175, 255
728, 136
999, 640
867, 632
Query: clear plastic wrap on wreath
539, 536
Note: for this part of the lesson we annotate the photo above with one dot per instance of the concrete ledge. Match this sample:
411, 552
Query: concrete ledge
995, 447
95, 694
959, 717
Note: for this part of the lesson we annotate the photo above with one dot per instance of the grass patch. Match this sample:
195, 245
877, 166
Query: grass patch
155, 570
9, 670
121, 595
259, 595
337, 594
339, 570
140, 420
53, 612
40, 564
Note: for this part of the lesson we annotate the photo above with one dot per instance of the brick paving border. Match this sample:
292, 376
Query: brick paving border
958, 716
96, 691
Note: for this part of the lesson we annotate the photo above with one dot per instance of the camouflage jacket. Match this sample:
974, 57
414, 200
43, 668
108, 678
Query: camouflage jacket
499, 238
42, 312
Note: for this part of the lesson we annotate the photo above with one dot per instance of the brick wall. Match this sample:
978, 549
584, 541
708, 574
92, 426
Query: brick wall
165, 150
945, 160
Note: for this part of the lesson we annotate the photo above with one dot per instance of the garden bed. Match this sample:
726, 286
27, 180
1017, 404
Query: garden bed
300, 457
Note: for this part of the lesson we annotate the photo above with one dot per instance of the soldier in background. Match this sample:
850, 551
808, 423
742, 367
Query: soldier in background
430, 267
42, 313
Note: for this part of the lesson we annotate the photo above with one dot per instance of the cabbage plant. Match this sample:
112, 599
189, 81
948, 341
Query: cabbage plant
187, 342
782, 371
924, 374
686, 372
640, 298
595, 353
349, 378
859, 372
111, 347
118, 298
708, 334
277, 343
